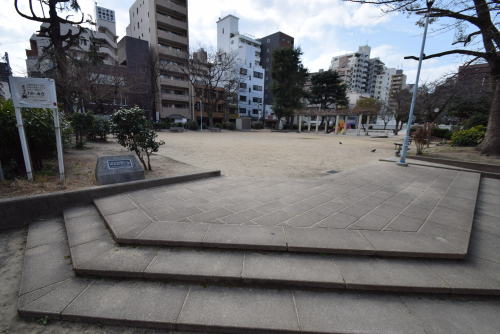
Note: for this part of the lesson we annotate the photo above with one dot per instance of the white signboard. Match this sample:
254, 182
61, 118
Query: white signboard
33, 92
36, 93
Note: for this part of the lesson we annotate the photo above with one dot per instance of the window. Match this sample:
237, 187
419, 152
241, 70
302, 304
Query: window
257, 100
268, 40
243, 71
222, 30
243, 98
243, 85
255, 111
243, 111
258, 75
257, 88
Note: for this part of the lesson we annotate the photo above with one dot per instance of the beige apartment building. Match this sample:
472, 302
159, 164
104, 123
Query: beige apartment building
164, 24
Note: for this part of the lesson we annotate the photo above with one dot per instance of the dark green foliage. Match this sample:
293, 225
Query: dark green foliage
218, 125
40, 134
475, 120
136, 133
82, 124
328, 90
441, 133
470, 137
192, 125
288, 78
101, 127
257, 126
229, 126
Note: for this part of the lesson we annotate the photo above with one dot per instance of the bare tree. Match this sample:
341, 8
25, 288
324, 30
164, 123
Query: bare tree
474, 21
59, 43
385, 114
400, 107
211, 74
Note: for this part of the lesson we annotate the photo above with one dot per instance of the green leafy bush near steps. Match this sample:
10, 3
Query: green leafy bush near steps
471, 137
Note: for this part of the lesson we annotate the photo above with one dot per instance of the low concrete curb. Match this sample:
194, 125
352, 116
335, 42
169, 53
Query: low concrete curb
486, 170
20, 211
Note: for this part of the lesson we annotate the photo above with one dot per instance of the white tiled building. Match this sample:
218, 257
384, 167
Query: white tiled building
246, 50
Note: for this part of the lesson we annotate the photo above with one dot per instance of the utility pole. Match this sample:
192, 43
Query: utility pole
404, 151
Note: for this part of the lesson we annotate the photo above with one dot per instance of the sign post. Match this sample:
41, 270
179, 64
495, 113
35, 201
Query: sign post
36, 93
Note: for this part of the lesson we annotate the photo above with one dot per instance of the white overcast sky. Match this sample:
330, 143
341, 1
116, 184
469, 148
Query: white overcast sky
322, 28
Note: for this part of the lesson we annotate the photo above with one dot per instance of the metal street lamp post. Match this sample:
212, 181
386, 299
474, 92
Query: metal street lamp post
404, 151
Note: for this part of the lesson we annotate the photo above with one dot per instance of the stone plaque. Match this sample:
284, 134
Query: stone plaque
118, 169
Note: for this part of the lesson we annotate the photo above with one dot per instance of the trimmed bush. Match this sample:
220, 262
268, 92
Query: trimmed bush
470, 137
257, 126
475, 120
441, 133
229, 126
101, 127
192, 125
82, 124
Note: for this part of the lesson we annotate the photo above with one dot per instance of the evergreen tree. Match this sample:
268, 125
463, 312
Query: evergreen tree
288, 78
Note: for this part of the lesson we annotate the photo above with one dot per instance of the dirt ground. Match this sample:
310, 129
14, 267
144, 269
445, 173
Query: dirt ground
235, 153
80, 170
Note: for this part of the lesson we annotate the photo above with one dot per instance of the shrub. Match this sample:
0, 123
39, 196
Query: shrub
470, 137
257, 126
40, 135
136, 133
218, 125
82, 124
192, 125
229, 126
101, 127
441, 133
475, 120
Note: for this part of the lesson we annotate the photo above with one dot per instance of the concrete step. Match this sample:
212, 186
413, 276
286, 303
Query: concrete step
94, 252
50, 288
415, 212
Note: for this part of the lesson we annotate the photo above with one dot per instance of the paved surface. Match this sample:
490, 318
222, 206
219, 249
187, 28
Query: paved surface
49, 287
94, 252
379, 209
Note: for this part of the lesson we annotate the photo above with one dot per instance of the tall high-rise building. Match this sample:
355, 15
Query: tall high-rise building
247, 53
164, 24
269, 44
354, 69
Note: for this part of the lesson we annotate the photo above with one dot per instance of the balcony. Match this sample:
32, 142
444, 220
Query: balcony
175, 97
162, 34
172, 6
168, 111
174, 83
172, 52
162, 18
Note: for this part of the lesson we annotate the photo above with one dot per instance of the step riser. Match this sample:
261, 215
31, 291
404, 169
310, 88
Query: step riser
280, 284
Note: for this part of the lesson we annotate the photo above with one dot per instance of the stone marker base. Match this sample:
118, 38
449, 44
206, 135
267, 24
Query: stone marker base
118, 169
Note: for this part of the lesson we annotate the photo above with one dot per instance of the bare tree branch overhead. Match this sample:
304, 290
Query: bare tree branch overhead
472, 19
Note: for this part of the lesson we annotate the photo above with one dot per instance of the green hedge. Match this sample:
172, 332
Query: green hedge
441, 133
471, 137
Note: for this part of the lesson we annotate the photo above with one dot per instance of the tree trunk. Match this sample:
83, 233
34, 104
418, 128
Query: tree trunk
491, 142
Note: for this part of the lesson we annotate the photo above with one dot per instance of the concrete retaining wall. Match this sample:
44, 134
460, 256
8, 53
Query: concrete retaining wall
20, 211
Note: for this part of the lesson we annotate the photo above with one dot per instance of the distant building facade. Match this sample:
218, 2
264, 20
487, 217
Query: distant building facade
103, 37
164, 25
5, 73
247, 52
269, 44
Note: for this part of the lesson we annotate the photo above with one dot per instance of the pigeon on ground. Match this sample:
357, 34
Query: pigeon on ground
374, 150
340, 142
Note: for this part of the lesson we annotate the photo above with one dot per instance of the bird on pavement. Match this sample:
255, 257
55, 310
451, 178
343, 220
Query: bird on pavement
340, 142
374, 150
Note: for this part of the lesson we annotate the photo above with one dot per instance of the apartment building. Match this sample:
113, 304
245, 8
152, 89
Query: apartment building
269, 44
354, 69
102, 35
247, 52
164, 25
5, 73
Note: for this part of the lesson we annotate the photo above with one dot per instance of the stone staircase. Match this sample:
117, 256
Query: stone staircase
120, 261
